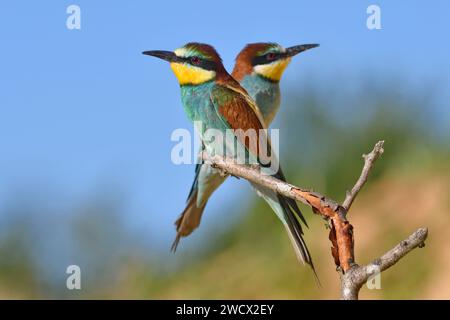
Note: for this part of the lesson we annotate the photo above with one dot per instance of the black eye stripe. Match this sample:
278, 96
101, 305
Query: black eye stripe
202, 63
264, 58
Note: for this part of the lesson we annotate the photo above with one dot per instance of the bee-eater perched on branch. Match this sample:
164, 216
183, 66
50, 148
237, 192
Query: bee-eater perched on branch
213, 98
258, 68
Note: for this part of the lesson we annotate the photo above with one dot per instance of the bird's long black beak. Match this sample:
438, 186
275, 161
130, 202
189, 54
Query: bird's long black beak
165, 55
292, 51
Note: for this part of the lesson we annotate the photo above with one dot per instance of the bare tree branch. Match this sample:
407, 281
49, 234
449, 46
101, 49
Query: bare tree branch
354, 279
369, 160
341, 233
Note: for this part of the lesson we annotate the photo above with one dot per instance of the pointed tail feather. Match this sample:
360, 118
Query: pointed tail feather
295, 233
288, 216
301, 251
189, 220
206, 181
291, 202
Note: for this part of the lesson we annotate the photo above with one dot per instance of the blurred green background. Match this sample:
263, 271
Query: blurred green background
251, 257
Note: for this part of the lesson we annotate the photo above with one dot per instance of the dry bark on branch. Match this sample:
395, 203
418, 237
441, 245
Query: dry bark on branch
341, 231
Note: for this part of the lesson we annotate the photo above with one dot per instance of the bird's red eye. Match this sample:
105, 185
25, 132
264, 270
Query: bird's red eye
195, 60
270, 56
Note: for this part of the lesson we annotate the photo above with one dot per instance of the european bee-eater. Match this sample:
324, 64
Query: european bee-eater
213, 98
258, 68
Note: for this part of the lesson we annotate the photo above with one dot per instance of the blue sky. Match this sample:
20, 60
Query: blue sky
80, 109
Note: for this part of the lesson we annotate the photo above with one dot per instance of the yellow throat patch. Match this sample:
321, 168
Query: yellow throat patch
273, 70
187, 74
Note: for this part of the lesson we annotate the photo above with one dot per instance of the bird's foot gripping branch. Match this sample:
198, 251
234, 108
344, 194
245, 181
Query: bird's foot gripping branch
341, 236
